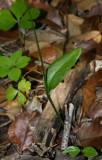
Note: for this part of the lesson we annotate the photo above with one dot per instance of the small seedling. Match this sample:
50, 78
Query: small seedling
23, 86
21, 16
74, 151
12, 65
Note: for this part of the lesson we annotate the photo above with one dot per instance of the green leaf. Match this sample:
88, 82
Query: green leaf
18, 8
15, 56
26, 24
5, 62
11, 93
0, 54
72, 150
7, 21
21, 98
24, 85
89, 152
14, 74
58, 69
22, 62
4, 71
34, 14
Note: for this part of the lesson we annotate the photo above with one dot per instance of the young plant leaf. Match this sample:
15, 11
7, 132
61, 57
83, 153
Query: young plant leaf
22, 62
18, 8
7, 21
0, 54
24, 85
14, 74
34, 14
15, 56
11, 93
26, 24
72, 151
21, 98
58, 69
4, 71
5, 62
89, 152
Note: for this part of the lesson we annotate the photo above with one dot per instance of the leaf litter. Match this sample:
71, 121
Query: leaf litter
59, 17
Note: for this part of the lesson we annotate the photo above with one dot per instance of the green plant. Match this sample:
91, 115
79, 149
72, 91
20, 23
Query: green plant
57, 70
12, 65
23, 86
74, 151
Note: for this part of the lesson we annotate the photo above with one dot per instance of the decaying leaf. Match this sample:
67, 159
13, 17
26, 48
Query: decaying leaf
12, 108
91, 50
74, 23
19, 130
89, 92
90, 134
85, 4
33, 105
95, 110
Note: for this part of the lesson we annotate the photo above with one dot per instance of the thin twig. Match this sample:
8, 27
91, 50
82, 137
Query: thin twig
67, 126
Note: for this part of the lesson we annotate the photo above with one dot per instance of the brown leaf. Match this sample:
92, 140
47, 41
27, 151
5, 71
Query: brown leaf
90, 134
95, 11
8, 35
95, 110
89, 92
11, 108
83, 5
90, 50
2, 93
19, 131
74, 23
48, 52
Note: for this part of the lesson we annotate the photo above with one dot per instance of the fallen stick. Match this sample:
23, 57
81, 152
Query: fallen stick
49, 125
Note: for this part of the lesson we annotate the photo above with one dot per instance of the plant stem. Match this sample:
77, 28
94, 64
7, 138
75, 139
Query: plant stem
42, 64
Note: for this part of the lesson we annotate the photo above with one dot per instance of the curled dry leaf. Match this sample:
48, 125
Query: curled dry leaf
91, 35
19, 130
95, 110
90, 50
89, 95
95, 11
33, 105
84, 4
12, 108
90, 134
74, 23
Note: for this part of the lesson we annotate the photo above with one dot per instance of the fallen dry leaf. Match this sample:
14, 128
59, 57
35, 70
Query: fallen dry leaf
2, 93
89, 95
85, 4
95, 110
95, 11
90, 50
74, 23
19, 131
90, 134
12, 108
74, 41
48, 52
